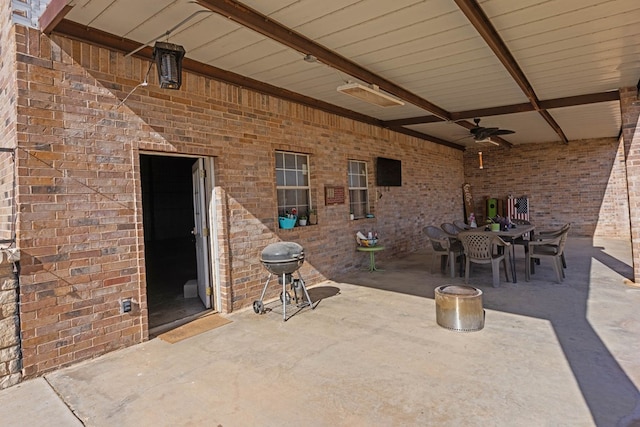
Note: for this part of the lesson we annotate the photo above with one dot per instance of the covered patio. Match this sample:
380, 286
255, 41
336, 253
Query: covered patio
371, 353
545, 91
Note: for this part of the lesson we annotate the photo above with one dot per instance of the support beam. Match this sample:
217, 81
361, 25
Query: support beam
54, 13
101, 38
481, 22
262, 24
569, 101
421, 135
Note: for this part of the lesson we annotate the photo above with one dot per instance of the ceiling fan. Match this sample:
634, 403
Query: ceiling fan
483, 134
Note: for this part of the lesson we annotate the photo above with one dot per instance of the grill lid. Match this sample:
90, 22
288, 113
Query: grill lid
282, 252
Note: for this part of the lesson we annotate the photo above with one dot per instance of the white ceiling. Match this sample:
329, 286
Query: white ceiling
429, 48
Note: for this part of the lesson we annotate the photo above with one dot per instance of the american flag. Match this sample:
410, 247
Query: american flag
518, 207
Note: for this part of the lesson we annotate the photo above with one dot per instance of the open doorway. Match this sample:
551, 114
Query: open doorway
171, 193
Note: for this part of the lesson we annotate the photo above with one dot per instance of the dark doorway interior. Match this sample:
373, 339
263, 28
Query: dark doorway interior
170, 255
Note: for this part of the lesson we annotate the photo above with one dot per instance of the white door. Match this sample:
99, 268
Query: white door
201, 232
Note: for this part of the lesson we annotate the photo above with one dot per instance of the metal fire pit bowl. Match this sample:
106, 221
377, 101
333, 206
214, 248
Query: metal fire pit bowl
459, 308
282, 257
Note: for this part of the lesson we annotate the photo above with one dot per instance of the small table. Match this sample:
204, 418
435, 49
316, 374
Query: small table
372, 255
510, 235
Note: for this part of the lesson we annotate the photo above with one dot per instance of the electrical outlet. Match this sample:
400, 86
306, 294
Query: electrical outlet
126, 305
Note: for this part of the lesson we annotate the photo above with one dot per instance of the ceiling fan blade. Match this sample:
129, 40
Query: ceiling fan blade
503, 132
490, 131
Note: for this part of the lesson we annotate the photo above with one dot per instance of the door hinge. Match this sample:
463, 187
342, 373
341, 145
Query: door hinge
205, 232
203, 173
209, 290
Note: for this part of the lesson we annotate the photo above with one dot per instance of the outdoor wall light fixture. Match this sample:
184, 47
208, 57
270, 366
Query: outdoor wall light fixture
480, 159
168, 58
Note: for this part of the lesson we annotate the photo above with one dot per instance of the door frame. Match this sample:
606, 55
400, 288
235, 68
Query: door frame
212, 223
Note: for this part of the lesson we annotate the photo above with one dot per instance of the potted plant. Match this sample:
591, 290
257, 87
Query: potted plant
302, 220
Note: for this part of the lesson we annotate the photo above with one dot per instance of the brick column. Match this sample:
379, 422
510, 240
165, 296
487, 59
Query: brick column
630, 109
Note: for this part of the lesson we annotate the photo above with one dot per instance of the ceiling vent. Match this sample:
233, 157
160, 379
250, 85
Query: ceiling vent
371, 95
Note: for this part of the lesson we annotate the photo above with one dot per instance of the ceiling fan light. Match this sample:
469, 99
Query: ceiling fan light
168, 57
489, 140
370, 95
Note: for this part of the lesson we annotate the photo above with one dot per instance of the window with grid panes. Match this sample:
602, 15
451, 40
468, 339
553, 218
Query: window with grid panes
292, 183
358, 191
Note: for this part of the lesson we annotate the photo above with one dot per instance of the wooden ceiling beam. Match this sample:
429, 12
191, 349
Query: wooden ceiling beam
91, 35
262, 24
421, 135
55, 12
412, 121
572, 101
493, 111
480, 21
101, 38
569, 101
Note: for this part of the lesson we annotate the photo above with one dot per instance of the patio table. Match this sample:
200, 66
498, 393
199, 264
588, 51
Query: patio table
372, 255
510, 235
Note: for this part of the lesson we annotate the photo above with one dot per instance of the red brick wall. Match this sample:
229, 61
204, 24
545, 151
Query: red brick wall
583, 182
7, 119
80, 223
630, 106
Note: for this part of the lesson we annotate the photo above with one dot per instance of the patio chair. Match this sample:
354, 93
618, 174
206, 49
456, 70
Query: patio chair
549, 246
461, 224
451, 229
480, 247
548, 233
444, 247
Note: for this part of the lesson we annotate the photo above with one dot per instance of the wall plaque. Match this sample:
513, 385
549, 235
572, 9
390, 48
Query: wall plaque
333, 195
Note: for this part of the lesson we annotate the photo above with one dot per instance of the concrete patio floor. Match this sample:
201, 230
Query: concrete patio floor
372, 354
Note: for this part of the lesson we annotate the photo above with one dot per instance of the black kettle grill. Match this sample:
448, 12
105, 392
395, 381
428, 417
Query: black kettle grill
283, 259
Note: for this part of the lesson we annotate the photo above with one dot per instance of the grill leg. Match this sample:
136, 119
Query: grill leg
264, 290
304, 289
284, 299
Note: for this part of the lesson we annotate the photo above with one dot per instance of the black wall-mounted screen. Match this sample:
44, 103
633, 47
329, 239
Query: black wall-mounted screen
388, 172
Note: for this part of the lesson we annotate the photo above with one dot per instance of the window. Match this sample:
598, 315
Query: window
292, 183
358, 192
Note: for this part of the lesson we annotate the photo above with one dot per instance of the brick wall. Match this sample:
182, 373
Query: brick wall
630, 106
80, 216
582, 182
9, 333
10, 373
7, 120
78, 225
